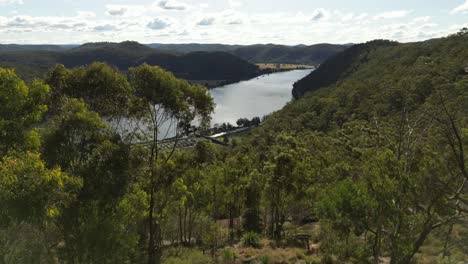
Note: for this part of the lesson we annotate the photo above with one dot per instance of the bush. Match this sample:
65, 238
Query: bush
251, 239
228, 256
264, 259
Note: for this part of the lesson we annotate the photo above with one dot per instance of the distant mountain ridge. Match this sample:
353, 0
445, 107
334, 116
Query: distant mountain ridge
259, 53
19, 47
31, 62
265, 53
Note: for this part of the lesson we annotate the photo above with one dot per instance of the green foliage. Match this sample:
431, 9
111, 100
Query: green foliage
31, 192
72, 136
228, 256
186, 256
251, 239
22, 108
178, 98
377, 157
102, 87
264, 259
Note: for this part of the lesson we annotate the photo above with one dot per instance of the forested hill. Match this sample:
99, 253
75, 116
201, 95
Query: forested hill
310, 55
373, 78
379, 148
193, 47
198, 66
264, 53
338, 67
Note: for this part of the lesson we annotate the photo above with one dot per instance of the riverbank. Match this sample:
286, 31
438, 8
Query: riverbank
265, 69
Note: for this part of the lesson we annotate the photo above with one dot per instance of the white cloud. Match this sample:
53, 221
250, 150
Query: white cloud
234, 3
172, 5
236, 21
463, 8
210, 24
11, 2
106, 27
158, 24
86, 14
128, 10
393, 14
424, 19
208, 21
116, 10
319, 14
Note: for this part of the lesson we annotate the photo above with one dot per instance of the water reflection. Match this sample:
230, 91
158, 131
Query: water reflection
256, 97
248, 99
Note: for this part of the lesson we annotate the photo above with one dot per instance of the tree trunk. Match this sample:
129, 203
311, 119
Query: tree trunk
231, 223
151, 246
185, 224
180, 226
190, 226
446, 252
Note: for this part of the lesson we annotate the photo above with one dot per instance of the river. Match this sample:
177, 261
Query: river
256, 97
247, 99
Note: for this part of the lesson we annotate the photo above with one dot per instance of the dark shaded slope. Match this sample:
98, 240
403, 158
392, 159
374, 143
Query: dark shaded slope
215, 65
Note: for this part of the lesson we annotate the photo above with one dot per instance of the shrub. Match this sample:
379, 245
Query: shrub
251, 239
264, 259
228, 256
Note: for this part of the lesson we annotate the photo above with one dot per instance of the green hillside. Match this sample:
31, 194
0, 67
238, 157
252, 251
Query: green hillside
377, 150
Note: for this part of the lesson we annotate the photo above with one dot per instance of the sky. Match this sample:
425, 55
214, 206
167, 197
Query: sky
288, 22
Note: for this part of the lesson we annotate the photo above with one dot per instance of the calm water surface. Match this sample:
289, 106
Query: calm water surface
256, 97
247, 99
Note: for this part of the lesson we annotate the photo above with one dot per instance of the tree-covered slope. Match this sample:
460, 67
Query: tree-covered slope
311, 55
338, 67
373, 77
385, 143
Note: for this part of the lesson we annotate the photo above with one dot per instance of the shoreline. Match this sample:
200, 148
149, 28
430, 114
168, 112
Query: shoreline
213, 84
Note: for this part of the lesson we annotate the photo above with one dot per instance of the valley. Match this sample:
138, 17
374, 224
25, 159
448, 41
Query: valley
217, 150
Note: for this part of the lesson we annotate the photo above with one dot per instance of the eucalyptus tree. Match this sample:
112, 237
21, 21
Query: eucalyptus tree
21, 109
164, 104
32, 196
